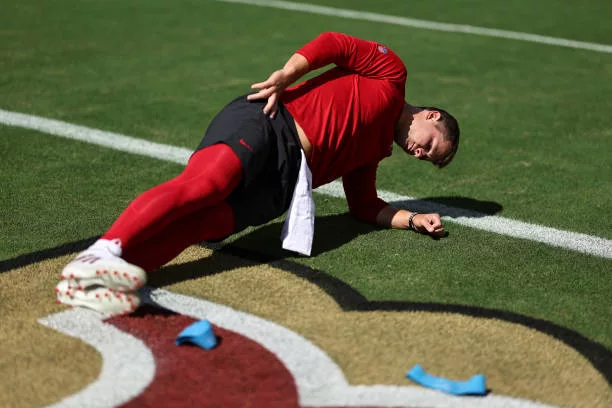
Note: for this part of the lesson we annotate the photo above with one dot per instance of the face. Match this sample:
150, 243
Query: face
425, 140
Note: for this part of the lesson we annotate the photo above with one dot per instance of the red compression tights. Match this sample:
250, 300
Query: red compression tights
190, 208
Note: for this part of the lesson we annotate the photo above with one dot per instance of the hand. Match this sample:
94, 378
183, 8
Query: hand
272, 89
429, 224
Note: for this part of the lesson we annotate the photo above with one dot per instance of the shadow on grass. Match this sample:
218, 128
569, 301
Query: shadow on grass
451, 206
263, 246
331, 232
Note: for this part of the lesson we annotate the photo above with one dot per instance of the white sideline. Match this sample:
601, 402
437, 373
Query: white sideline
574, 241
430, 25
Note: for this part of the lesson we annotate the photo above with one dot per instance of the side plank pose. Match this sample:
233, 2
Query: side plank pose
261, 156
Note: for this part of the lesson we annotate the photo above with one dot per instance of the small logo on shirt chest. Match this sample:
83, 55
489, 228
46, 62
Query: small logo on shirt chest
382, 48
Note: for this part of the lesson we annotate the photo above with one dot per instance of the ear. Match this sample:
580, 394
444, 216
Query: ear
433, 115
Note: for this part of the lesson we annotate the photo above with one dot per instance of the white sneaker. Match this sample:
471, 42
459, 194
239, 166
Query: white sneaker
102, 299
101, 265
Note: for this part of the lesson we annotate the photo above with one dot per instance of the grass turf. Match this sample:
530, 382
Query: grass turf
534, 141
531, 126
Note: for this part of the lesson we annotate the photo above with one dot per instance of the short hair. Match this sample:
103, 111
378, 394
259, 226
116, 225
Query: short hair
450, 130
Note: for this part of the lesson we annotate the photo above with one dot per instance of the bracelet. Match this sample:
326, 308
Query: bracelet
410, 224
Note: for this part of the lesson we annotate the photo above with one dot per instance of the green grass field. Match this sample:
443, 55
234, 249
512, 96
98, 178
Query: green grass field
536, 136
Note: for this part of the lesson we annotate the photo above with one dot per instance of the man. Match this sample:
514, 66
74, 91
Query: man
261, 156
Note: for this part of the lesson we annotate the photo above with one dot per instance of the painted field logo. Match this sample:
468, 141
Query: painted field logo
276, 347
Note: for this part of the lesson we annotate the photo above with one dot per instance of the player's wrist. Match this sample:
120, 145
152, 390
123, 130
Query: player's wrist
295, 68
411, 221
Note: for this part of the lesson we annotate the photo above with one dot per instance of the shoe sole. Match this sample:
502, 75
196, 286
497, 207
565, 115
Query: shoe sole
101, 299
121, 277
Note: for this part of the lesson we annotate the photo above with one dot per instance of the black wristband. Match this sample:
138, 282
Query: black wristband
410, 224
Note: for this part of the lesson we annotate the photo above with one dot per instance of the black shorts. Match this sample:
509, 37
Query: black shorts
269, 150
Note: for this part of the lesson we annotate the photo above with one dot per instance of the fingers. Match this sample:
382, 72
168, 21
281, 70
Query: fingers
264, 93
272, 106
431, 224
437, 228
438, 232
272, 95
434, 221
274, 83
270, 89
262, 85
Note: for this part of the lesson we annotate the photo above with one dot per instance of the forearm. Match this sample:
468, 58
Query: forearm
390, 217
296, 67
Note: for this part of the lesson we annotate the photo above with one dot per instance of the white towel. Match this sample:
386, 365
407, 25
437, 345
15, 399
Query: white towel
298, 230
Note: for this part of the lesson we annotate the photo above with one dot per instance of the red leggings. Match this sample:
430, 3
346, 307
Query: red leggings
160, 223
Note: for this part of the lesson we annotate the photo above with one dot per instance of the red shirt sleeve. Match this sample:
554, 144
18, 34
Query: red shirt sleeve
366, 58
361, 196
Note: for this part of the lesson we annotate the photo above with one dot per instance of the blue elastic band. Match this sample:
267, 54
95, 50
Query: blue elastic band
199, 333
474, 386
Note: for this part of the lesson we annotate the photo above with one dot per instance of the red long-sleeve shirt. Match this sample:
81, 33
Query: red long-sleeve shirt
349, 114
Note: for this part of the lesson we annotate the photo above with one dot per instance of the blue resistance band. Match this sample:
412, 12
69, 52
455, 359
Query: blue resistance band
199, 333
474, 386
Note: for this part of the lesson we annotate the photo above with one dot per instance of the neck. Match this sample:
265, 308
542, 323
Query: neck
404, 122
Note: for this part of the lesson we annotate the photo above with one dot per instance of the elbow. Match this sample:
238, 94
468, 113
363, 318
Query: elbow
325, 34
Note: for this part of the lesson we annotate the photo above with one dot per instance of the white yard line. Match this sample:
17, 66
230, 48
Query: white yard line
574, 241
429, 25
